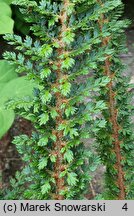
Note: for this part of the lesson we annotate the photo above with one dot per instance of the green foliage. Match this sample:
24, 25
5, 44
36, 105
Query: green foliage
54, 58
116, 141
6, 120
19, 22
11, 87
16, 88
6, 22
72, 55
12, 18
7, 72
18, 183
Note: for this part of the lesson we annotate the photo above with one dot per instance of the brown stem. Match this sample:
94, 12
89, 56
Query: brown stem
4, 143
93, 193
59, 101
114, 114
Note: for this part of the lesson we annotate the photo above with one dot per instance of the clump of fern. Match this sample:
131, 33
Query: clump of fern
55, 57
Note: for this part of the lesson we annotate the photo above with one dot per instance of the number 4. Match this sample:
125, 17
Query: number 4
125, 207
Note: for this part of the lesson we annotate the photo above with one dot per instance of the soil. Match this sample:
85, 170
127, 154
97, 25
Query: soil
10, 159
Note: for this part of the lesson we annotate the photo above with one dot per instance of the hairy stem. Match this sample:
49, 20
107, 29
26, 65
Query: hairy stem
113, 113
59, 167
